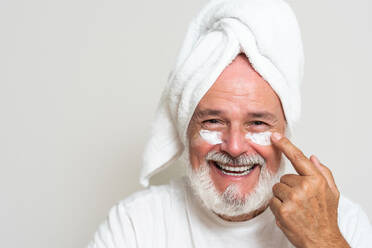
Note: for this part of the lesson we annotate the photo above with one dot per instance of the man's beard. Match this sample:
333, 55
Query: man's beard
232, 202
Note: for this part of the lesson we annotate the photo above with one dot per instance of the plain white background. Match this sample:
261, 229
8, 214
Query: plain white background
79, 83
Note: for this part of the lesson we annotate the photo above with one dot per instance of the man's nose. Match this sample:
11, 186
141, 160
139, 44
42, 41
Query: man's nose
234, 142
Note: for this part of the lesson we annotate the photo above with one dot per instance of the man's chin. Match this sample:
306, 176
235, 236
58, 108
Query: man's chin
234, 201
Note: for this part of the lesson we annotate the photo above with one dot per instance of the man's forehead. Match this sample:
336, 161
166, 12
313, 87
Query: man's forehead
239, 66
240, 87
240, 79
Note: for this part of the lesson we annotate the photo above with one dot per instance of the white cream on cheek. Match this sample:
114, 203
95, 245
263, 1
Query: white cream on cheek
262, 138
212, 137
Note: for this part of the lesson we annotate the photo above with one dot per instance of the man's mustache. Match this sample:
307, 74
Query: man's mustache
244, 159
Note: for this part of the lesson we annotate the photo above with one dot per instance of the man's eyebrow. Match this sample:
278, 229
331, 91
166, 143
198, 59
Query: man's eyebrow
263, 115
200, 113
207, 112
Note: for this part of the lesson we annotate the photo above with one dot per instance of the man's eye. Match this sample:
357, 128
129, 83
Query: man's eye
258, 123
212, 121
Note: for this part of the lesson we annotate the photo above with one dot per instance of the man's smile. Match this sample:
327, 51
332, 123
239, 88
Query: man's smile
234, 170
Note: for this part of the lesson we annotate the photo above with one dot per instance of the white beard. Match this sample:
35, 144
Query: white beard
231, 202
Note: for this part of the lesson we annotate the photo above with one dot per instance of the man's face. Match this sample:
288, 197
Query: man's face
239, 102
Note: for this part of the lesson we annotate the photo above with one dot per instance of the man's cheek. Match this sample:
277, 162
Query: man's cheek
200, 144
268, 152
198, 151
273, 159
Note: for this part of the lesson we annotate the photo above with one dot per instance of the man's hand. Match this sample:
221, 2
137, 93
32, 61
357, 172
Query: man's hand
305, 205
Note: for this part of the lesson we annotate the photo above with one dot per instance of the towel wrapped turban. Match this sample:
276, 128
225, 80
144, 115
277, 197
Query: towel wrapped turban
266, 31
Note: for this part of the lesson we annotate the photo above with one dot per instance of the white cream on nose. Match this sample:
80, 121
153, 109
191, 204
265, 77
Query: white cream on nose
262, 138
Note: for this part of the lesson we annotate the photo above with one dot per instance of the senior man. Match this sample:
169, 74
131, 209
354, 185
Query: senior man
226, 115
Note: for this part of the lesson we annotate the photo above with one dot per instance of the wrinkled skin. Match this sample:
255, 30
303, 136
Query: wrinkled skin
240, 94
304, 205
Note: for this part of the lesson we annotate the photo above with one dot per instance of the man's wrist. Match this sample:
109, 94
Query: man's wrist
336, 242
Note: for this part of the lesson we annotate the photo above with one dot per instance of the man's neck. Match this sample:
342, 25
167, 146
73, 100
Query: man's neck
243, 217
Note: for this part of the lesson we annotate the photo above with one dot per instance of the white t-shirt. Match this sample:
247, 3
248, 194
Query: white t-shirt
171, 216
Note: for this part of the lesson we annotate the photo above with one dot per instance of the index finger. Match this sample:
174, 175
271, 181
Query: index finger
300, 162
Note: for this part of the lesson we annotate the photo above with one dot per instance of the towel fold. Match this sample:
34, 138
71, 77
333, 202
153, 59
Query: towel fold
266, 31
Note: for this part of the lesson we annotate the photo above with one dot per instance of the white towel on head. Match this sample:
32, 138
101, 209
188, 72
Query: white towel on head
266, 31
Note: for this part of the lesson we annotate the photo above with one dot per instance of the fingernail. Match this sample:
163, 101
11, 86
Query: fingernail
277, 136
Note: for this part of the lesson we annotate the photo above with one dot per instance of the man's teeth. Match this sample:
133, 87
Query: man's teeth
235, 170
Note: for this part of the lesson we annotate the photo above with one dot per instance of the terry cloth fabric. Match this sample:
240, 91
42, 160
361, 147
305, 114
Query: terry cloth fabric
266, 31
171, 216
